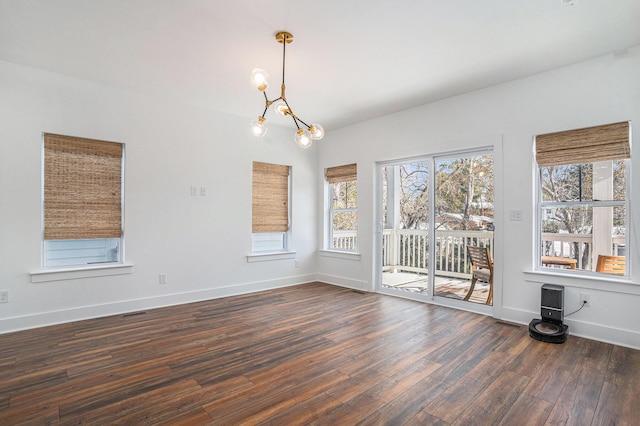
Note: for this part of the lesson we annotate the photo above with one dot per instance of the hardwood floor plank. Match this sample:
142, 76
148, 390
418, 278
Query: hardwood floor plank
366, 403
492, 404
578, 400
407, 406
463, 392
151, 407
527, 410
624, 368
618, 405
310, 354
105, 393
549, 381
261, 406
303, 412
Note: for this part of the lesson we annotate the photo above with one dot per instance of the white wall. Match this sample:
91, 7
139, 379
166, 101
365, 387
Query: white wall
600, 91
200, 242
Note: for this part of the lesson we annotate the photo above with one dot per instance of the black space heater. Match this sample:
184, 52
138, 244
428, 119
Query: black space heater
550, 328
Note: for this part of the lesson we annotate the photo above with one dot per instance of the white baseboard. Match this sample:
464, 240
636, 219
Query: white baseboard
44, 319
588, 330
344, 282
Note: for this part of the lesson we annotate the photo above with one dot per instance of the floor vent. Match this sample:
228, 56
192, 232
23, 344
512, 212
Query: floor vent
133, 314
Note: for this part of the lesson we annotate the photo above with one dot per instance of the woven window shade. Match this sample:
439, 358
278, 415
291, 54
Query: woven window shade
341, 173
82, 188
270, 198
599, 143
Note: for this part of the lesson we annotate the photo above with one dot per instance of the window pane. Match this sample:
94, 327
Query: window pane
345, 195
344, 231
345, 221
81, 252
602, 181
464, 193
414, 195
268, 241
582, 233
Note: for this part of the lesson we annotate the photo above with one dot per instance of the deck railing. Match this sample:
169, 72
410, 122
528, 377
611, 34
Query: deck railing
408, 249
345, 240
577, 246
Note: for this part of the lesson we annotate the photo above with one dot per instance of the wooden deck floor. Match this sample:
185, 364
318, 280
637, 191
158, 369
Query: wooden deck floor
452, 288
312, 354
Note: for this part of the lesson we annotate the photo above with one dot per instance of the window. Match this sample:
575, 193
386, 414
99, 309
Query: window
343, 207
583, 198
270, 207
82, 201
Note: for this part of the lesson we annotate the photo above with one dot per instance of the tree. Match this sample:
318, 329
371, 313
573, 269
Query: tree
464, 189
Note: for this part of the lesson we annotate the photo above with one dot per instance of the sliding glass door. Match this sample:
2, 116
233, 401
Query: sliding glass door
431, 210
405, 210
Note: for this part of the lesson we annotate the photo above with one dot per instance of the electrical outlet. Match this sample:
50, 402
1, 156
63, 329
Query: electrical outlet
163, 278
585, 297
4, 296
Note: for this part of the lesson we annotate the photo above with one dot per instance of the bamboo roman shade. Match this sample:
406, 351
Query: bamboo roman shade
270, 198
82, 188
341, 173
599, 143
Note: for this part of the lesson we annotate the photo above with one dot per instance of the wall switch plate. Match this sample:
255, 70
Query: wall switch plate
515, 215
194, 191
162, 279
4, 296
203, 191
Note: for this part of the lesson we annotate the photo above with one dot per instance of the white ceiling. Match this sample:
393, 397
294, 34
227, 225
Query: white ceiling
351, 60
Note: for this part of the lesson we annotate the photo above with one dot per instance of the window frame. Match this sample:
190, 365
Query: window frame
541, 206
46, 266
330, 214
286, 235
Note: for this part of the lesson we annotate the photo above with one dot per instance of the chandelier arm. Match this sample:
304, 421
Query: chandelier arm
298, 118
288, 107
295, 120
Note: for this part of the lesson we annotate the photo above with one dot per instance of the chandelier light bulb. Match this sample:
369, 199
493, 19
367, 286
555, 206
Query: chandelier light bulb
281, 108
259, 79
258, 127
316, 131
303, 138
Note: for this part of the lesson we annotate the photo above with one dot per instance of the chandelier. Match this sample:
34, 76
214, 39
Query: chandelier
306, 133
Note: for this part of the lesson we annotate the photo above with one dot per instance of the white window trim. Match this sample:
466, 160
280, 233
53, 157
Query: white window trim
340, 254
270, 256
588, 275
83, 267
279, 254
92, 271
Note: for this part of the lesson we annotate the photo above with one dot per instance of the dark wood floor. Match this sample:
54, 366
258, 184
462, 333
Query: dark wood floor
311, 354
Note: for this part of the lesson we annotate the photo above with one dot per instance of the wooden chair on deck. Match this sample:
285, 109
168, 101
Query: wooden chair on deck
481, 270
611, 264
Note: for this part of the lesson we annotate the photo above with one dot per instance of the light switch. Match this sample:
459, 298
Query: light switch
516, 215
